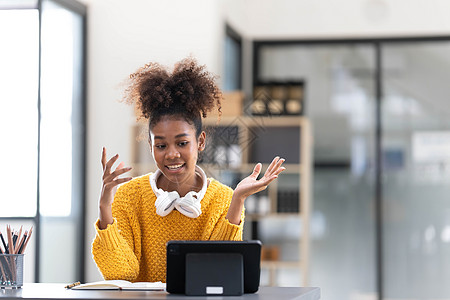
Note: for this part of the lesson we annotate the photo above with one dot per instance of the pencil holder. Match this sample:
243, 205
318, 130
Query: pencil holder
11, 270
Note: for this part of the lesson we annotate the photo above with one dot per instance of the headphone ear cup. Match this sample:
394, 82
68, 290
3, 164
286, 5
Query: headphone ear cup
189, 206
165, 203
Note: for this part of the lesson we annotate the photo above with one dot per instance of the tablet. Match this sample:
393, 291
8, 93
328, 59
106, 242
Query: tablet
178, 250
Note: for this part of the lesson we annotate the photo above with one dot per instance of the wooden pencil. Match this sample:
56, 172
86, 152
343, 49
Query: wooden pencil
18, 240
24, 238
20, 244
12, 264
27, 240
9, 238
3, 241
15, 237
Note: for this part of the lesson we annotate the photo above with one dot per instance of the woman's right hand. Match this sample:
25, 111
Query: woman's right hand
109, 187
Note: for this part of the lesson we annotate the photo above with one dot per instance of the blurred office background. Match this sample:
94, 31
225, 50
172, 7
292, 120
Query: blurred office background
376, 73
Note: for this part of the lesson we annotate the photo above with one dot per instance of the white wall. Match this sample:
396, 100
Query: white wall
122, 36
296, 19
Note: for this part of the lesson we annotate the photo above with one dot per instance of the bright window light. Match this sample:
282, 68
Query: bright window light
431, 146
56, 111
19, 61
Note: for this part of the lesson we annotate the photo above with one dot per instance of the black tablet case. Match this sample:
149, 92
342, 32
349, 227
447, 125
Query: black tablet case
214, 274
176, 261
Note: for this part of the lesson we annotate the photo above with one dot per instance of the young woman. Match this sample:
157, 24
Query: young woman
177, 201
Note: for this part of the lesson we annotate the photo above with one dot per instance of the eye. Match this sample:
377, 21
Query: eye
182, 144
160, 146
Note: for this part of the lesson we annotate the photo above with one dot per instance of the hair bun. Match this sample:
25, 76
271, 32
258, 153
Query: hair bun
188, 87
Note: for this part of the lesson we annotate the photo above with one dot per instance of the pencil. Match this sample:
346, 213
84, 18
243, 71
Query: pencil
3, 241
18, 239
27, 240
72, 285
14, 239
20, 231
20, 244
12, 264
9, 238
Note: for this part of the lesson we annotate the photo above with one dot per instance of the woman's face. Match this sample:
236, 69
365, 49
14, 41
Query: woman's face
175, 149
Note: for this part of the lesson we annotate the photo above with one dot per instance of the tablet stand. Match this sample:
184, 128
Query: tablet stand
220, 274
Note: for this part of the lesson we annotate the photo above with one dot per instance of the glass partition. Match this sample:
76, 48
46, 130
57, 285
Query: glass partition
340, 82
416, 182
339, 89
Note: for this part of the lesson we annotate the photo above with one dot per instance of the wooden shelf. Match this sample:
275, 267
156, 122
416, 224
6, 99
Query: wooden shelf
251, 128
269, 264
278, 215
252, 121
248, 168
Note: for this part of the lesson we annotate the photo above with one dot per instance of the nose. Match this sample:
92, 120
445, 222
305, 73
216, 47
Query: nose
172, 153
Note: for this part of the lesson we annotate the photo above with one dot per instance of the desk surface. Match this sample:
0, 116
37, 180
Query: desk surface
57, 291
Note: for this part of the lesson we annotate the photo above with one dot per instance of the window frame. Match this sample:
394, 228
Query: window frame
81, 10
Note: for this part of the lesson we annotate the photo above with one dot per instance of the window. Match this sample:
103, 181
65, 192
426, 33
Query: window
43, 126
233, 60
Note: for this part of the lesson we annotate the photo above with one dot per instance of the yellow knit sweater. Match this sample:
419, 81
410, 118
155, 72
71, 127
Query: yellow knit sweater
134, 247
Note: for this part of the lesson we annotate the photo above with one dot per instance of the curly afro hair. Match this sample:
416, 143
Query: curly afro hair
189, 92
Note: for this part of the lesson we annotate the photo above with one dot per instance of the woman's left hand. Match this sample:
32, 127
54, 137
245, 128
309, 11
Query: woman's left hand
250, 185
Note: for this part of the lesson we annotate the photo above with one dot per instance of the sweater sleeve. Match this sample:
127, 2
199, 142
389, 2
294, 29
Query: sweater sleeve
113, 249
224, 230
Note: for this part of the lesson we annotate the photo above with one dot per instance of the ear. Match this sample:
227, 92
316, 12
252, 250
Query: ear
202, 141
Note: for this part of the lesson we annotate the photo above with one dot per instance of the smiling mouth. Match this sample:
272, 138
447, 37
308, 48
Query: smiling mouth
175, 167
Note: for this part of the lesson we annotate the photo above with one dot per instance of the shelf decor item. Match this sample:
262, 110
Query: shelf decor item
261, 96
278, 98
294, 103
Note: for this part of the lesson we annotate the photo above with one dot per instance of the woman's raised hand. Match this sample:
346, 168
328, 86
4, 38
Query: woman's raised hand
109, 187
251, 185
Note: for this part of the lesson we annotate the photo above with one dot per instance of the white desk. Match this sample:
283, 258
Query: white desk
40, 291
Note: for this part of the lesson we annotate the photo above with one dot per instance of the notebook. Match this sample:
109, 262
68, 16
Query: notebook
121, 285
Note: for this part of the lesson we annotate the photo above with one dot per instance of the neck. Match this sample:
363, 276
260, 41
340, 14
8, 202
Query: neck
194, 183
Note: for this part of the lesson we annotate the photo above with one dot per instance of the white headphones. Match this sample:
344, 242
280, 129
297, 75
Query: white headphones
188, 205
